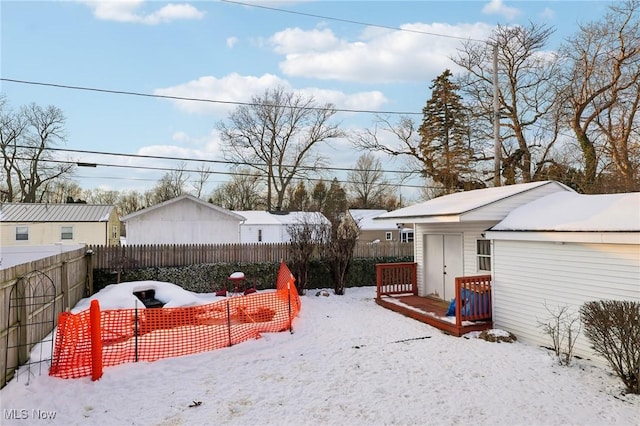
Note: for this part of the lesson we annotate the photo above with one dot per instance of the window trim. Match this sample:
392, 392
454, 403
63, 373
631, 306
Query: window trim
62, 233
388, 236
483, 259
407, 236
24, 233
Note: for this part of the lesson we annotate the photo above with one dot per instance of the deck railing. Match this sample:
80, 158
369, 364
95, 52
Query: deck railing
396, 278
473, 298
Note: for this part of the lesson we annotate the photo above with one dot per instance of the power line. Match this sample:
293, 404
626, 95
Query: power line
228, 173
227, 162
349, 21
181, 98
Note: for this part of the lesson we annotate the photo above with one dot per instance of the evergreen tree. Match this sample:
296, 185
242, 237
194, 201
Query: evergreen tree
299, 198
444, 136
318, 196
335, 204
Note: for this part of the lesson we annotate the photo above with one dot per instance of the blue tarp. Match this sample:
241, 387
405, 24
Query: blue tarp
482, 305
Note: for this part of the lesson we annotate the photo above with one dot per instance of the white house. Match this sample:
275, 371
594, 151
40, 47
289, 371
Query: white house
449, 237
563, 250
273, 227
183, 220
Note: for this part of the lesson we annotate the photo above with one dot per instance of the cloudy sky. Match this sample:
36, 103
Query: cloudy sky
359, 55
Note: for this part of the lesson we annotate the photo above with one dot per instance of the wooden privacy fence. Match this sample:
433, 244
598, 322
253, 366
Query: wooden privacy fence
121, 258
31, 297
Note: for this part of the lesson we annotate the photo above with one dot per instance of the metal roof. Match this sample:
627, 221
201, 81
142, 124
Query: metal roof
44, 212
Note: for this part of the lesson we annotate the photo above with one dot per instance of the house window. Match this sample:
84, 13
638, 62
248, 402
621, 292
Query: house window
389, 236
114, 231
259, 235
66, 232
407, 236
483, 250
22, 233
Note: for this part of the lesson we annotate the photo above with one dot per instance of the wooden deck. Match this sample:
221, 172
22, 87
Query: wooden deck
431, 311
397, 290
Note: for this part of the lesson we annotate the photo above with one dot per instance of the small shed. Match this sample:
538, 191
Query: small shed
449, 239
260, 226
563, 250
183, 220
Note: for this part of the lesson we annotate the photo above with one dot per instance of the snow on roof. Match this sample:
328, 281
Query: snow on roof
365, 219
262, 217
462, 202
569, 211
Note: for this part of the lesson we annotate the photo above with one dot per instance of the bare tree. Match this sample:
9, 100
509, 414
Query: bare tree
369, 189
405, 140
243, 192
600, 92
26, 138
305, 236
276, 135
171, 185
527, 77
102, 196
202, 177
336, 252
63, 191
129, 202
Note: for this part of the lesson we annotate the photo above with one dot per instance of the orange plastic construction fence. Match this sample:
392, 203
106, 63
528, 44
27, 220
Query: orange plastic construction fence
148, 334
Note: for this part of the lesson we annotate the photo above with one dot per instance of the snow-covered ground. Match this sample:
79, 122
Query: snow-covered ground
348, 362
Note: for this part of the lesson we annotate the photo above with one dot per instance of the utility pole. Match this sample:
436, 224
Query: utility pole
497, 148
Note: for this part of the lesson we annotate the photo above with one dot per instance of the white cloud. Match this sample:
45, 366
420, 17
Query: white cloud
296, 40
231, 42
497, 7
548, 14
128, 11
379, 56
238, 88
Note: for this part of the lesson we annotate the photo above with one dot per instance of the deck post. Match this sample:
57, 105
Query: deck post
458, 301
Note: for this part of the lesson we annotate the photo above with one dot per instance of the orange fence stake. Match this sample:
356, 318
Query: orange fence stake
96, 340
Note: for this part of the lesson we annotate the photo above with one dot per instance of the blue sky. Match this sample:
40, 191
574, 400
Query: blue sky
230, 52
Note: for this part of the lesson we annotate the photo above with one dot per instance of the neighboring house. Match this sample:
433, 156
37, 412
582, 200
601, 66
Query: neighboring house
564, 249
449, 237
372, 230
183, 220
273, 227
36, 224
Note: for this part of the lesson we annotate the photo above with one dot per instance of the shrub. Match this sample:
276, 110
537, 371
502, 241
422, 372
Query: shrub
563, 327
613, 326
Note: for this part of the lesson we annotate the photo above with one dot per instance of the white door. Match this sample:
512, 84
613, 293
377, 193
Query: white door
442, 263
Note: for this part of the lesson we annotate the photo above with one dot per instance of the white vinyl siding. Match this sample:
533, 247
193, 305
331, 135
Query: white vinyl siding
471, 232
528, 274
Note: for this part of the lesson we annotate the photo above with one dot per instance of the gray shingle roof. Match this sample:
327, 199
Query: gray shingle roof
42, 212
